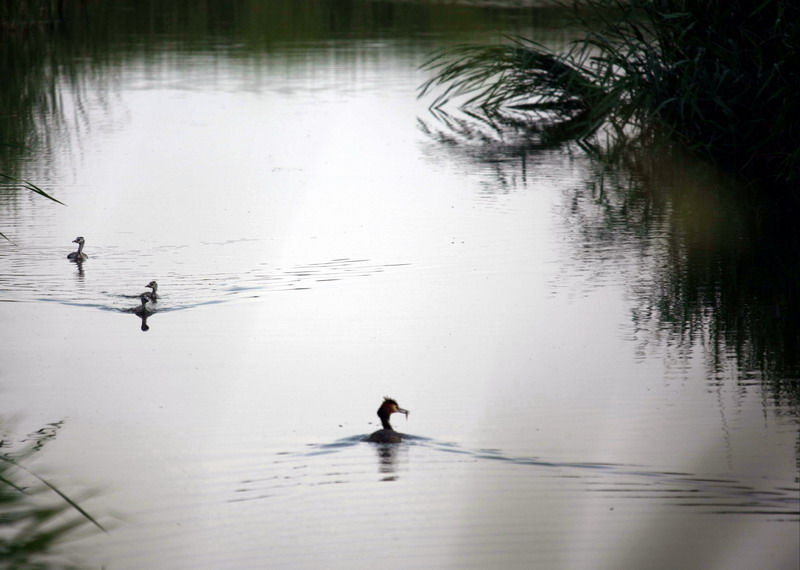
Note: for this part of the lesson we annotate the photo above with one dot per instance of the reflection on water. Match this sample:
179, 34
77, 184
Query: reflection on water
708, 264
713, 260
387, 460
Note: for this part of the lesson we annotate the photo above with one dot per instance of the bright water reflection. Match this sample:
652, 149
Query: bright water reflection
320, 241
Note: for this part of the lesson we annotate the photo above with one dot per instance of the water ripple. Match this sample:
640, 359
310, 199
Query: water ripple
188, 277
709, 495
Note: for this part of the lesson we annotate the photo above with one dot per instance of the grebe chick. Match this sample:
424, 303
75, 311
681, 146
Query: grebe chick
152, 295
387, 434
78, 255
143, 310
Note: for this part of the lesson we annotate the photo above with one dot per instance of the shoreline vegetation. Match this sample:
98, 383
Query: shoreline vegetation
719, 77
33, 526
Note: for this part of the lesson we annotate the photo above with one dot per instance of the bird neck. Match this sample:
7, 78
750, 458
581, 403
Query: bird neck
385, 422
80, 247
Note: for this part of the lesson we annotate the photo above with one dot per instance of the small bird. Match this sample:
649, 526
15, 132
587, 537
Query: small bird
387, 434
78, 255
153, 296
143, 311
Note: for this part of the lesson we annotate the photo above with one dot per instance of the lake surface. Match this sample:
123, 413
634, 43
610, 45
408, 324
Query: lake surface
600, 360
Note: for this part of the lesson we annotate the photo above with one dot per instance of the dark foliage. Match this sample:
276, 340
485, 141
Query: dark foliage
719, 76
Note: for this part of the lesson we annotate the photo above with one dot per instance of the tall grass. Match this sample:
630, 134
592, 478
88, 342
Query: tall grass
720, 76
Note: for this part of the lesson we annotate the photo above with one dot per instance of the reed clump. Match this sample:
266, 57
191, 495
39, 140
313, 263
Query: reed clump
36, 517
720, 76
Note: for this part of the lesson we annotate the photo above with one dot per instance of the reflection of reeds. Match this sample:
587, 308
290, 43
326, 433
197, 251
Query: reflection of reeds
712, 269
31, 524
21, 15
718, 269
715, 74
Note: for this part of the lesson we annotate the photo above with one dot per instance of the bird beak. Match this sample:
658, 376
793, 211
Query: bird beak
402, 411
75, 240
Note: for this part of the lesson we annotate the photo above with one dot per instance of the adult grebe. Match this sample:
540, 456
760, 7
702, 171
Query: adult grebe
387, 434
78, 255
154, 286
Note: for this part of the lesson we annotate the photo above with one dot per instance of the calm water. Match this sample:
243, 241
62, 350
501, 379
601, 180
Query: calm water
600, 362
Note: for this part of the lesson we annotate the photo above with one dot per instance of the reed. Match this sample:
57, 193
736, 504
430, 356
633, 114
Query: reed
719, 76
32, 525
27, 185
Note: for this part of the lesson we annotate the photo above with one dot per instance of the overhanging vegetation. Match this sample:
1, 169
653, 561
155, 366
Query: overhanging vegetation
719, 76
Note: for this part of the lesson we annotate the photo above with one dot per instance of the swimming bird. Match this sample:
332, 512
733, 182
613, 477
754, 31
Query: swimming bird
78, 255
143, 311
152, 295
387, 434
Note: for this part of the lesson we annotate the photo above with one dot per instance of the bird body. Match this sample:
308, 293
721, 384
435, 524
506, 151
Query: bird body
387, 434
78, 255
153, 296
143, 310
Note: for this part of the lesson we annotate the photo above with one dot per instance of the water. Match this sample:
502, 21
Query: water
589, 386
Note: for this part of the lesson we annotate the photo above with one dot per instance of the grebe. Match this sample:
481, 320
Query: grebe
143, 310
78, 255
152, 295
387, 434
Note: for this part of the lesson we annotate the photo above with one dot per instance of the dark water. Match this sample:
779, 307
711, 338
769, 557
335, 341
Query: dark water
600, 357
